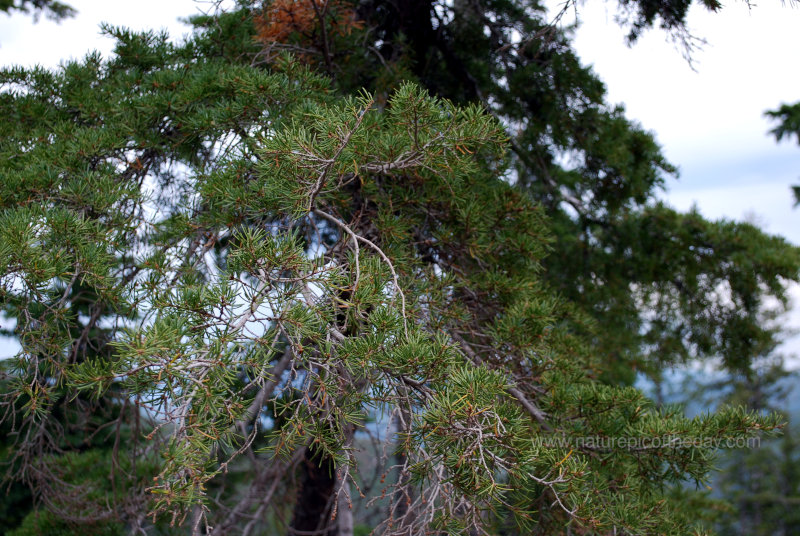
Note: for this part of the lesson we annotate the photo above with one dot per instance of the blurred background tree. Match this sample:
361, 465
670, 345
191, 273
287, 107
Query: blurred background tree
50, 8
788, 117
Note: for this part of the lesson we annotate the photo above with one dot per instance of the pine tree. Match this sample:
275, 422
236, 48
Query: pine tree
788, 116
647, 275
756, 489
762, 486
226, 265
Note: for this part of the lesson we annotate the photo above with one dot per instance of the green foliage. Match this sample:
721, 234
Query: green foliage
755, 490
651, 280
643, 14
789, 117
223, 268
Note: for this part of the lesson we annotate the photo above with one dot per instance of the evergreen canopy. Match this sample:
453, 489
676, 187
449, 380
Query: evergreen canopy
255, 299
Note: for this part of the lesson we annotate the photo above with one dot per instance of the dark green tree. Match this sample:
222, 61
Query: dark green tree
227, 263
788, 116
762, 486
661, 286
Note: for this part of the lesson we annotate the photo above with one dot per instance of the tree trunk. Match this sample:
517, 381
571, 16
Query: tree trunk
403, 497
313, 508
344, 512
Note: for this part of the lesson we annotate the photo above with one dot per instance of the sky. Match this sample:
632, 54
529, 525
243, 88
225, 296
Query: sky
708, 116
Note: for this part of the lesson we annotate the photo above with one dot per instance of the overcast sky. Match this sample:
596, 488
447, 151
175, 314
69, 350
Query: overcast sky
710, 121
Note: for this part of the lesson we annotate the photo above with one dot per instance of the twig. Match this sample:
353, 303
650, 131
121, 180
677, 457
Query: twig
531, 408
380, 252
331, 161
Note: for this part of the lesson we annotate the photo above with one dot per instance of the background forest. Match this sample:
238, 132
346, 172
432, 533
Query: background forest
329, 267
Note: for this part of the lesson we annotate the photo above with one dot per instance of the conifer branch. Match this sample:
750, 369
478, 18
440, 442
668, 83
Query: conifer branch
330, 162
529, 406
380, 252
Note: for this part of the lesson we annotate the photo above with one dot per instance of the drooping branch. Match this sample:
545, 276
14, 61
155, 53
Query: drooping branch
529, 406
379, 251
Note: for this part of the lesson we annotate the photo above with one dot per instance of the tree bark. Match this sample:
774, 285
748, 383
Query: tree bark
403, 496
344, 511
313, 507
